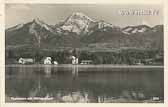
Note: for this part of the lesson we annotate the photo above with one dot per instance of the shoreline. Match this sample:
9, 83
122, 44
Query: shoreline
87, 66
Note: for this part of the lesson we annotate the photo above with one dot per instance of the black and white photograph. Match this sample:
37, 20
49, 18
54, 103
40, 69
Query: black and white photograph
84, 53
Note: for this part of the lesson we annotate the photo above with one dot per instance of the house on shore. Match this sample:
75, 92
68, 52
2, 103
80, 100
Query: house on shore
47, 60
86, 62
26, 61
74, 60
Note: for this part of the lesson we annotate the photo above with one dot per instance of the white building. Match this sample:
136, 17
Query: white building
47, 60
25, 61
55, 63
86, 62
74, 60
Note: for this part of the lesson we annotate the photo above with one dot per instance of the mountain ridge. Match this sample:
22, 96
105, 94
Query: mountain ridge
79, 30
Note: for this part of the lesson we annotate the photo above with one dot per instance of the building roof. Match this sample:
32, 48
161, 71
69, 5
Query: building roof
86, 61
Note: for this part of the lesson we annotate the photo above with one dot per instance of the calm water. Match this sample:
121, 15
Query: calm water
92, 84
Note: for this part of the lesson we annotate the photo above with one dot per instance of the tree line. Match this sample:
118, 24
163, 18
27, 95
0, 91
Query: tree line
128, 57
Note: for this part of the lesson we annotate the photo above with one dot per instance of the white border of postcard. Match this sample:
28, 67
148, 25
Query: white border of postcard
2, 53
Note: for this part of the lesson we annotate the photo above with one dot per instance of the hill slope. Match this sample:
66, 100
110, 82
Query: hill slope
80, 31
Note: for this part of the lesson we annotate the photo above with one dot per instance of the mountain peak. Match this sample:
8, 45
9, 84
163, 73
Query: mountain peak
77, 22
38, 21
80, 15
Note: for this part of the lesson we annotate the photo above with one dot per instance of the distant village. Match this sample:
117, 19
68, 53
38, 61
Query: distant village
74, 60
49, 61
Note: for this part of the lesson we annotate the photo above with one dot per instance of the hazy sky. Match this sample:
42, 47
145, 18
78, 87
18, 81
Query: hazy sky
54, 13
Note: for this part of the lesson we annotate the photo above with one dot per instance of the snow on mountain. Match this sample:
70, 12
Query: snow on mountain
16, 27
135, 29
157, 28
42, 24
38, 33
80, 23
32, 25
19, 26
103, 24
77, 23
36, 29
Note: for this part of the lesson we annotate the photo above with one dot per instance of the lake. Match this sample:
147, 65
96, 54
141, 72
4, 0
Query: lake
84, 84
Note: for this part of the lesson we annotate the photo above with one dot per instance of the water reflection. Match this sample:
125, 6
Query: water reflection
47, 70
75, 71
75, 84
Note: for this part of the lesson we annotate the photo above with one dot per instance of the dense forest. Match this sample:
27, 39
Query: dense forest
124, 57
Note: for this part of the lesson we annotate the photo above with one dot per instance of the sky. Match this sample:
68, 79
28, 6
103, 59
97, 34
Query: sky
54, 13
